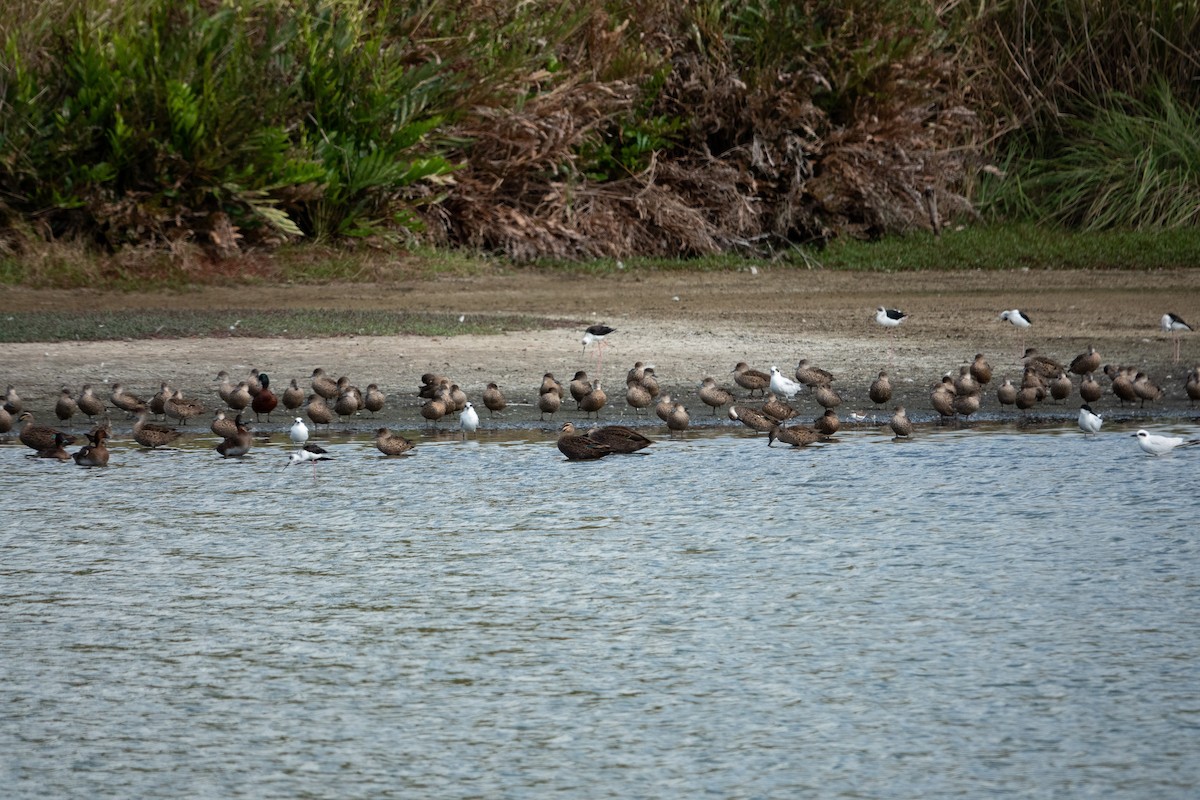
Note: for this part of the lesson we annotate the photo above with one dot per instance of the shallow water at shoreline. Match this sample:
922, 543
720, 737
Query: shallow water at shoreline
992, 610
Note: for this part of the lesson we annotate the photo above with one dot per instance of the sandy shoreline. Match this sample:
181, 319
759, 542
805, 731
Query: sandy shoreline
689, 325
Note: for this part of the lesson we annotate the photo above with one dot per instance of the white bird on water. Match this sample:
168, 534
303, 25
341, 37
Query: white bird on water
1157, 445
782, 384
1089, 422
298, 433
311, 453
468, 419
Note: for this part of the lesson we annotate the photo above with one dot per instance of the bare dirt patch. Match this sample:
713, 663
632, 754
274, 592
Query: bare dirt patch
687, 324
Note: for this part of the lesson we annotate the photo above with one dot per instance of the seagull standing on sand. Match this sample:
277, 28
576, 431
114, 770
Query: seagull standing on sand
783, 385
1174, 325
1089, 422
1157, 445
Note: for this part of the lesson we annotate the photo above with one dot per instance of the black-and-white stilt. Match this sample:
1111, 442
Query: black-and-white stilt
890, 318
1020, 320
595, 335
1174, 325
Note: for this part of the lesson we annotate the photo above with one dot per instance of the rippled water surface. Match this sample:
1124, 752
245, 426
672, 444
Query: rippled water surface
971, 613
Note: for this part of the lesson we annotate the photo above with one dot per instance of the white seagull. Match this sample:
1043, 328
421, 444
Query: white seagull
1161, 445
468, 419
1088, 421
298, 432
782, 384
1174, 325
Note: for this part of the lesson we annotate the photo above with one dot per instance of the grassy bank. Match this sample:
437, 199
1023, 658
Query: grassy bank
603, 129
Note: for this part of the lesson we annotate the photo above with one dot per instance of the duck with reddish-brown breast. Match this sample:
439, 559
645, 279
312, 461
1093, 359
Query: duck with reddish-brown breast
94, 454
265, 401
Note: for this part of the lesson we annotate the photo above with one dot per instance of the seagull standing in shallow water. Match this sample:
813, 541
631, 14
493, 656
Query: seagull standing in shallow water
1161, 445
468, 420
781, 384
1089, 422
298, 433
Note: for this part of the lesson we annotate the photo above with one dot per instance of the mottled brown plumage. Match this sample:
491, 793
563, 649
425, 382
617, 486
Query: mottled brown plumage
65, 407
881, 389
752, 380
391, 444
900, 423
149, 434
1087, 362
752, 418
493, 398
795, 435
714, 396
38, 437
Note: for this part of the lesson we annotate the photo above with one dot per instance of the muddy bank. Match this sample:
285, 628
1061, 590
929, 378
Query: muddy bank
688, 325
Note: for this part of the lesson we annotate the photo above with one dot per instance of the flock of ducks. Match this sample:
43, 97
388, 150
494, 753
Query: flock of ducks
954, 396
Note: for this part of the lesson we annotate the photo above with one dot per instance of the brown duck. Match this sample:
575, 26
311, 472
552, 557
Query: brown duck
881, 389
265, 401
293, 396
679, 419
900, 424
324, 385
620, 438
391, 444
223, 426
89, 403
126, 401
752, 380
318, 411
1087, 362
981, 370
239, 444
580, 448
811, 375
152, 435
65, 407
374, 399
752, 418
828, 423
56, 450
180, 408
94, 454
714, 396
777, 409
493, 399
594, 400
795, 435
39, 437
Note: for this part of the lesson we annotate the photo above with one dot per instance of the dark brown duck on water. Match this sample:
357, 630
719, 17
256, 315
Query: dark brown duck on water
580, 448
